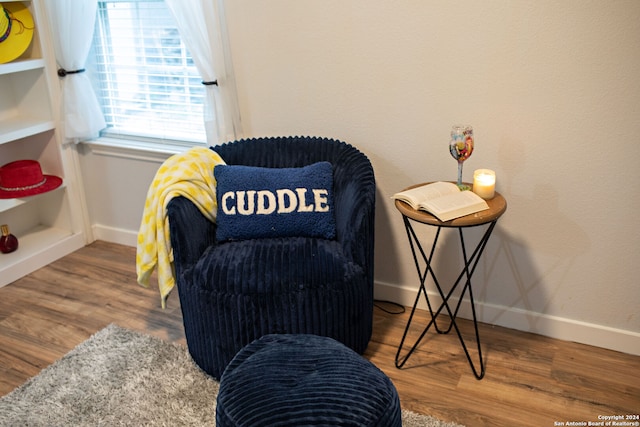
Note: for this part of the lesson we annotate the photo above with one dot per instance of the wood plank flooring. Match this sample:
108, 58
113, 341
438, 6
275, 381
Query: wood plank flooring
530, 380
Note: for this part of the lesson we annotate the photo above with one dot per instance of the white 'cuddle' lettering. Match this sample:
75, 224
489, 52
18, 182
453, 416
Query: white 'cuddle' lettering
265, 202
302, 202
320, 199
225, 207
284, 195
246, 205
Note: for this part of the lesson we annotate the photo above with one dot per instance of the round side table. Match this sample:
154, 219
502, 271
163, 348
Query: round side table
487, 218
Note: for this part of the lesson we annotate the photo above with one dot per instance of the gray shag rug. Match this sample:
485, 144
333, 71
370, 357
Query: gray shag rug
123, 378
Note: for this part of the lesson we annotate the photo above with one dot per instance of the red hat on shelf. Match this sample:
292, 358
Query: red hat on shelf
25, 178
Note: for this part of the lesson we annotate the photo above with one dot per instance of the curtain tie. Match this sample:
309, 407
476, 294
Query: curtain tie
213, 83
63, 73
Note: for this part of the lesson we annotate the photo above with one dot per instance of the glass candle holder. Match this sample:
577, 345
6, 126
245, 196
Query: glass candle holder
484, 183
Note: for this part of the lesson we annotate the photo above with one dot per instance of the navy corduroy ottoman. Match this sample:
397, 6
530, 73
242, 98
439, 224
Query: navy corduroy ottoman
304, 380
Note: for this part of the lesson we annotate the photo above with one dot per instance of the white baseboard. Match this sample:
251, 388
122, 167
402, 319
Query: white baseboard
115, 235
508, 317
527, 321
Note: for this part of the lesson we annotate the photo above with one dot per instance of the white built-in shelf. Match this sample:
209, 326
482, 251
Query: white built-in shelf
8, 204
23, 127
37, 247
21, 65
38, 239
24, 106
46, 225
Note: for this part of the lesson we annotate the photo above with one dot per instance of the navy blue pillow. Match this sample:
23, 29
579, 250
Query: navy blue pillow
256, 202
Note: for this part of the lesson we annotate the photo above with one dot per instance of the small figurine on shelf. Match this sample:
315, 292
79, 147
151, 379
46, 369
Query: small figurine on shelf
8, 242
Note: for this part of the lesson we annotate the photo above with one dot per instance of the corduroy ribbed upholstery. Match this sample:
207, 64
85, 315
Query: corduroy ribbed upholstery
232, 293
304, 380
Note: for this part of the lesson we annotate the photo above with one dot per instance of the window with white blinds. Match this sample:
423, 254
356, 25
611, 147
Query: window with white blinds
145, 79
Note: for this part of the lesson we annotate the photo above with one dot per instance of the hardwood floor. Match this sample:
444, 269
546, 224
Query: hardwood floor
530, 380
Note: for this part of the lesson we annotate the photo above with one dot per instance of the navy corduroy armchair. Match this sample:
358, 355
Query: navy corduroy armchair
232, 293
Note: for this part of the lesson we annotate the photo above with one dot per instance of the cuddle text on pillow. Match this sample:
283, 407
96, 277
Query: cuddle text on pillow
266, 202
259, 202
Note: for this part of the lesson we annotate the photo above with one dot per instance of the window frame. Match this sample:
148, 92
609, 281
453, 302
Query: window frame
155, 143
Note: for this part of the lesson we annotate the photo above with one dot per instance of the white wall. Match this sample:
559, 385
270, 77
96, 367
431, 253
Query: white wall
553, 93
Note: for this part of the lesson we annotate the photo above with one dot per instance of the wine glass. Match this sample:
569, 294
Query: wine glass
461, 147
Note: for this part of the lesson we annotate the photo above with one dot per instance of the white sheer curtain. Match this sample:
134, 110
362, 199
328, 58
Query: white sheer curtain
72, 23
202, 27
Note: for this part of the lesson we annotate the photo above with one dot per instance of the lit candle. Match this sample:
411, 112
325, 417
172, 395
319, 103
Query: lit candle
484, 183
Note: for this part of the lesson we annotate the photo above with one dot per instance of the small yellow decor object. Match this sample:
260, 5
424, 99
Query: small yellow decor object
16, 30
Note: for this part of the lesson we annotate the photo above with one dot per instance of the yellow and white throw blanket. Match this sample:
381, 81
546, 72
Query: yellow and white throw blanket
188, 174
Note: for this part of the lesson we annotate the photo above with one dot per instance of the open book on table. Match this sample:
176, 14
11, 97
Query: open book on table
444, 200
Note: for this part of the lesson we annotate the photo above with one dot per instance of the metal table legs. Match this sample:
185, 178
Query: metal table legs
470, 263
